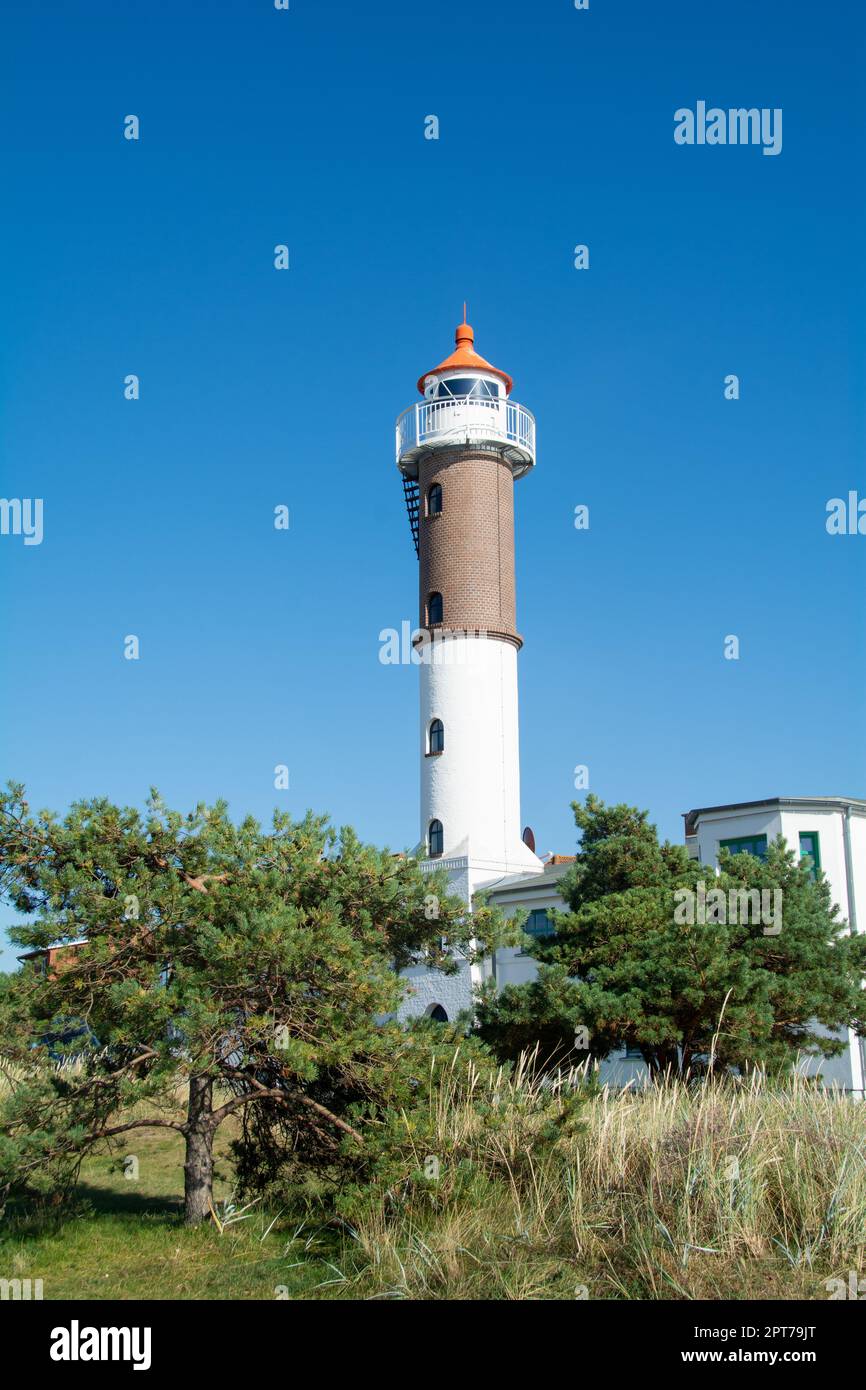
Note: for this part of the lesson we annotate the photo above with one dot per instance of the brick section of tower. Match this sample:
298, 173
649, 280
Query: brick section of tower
466, 551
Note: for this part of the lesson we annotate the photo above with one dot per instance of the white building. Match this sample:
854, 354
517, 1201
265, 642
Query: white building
829, 831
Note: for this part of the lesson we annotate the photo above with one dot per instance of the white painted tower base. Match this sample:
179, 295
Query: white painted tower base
473, 786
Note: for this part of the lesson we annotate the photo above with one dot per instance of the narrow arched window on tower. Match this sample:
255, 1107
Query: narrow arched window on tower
437, 737
434, 838
434, 500
434, 609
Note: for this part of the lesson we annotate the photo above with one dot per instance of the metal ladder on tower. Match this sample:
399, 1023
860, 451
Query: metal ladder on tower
412, 496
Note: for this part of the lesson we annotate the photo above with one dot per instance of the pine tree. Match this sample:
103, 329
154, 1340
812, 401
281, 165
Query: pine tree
627, 965
243, 966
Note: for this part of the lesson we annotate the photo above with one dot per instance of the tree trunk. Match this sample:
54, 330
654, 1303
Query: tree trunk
198, 1167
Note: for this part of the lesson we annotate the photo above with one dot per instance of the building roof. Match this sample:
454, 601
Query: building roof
782, 803
466, 358
55, 946
549, 877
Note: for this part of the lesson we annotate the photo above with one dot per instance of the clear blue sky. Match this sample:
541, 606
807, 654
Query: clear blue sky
261, 387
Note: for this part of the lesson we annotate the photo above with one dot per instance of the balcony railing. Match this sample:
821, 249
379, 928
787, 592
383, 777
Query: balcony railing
441, 423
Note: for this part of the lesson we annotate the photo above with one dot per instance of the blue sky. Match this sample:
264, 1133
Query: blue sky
261, 387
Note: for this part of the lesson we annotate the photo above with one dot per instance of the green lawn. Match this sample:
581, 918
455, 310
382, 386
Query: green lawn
128, 1242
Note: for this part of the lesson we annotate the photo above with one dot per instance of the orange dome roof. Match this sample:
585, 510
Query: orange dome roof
465, 358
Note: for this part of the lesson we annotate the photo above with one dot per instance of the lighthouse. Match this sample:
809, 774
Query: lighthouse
460, 450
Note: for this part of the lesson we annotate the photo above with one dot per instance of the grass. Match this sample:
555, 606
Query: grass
705, 1192
126, 1239
714, 1191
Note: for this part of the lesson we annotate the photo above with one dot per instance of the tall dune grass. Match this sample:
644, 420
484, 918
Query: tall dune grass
714, 1190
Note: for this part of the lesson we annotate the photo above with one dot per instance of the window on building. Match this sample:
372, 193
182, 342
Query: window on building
437, 736
434, 500
538, 925
435, 839
747, 844
629, 1051
434, 609
437, 1013
810, 852
468, 386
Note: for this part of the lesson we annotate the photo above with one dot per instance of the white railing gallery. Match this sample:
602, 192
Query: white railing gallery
462, 419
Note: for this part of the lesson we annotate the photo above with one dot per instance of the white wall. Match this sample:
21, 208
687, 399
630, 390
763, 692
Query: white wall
473, 788
735, 825
828, 822
858, 852
429, 987
511, 966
